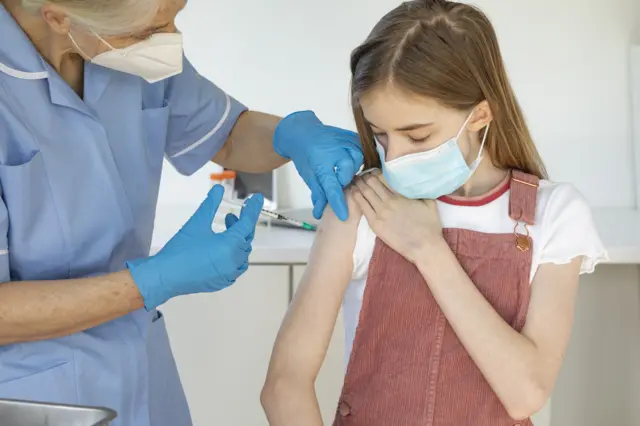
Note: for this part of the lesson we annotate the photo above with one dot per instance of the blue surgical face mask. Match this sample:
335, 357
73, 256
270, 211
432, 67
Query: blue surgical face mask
430, 174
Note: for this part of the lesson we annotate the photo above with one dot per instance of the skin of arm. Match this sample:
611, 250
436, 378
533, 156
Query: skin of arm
520, 367
41, 310
249, 148
288, 396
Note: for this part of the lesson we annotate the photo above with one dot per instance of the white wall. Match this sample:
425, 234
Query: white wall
568, 60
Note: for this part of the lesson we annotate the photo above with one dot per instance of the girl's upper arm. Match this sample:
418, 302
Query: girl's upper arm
570, 246
550, 314
306, 331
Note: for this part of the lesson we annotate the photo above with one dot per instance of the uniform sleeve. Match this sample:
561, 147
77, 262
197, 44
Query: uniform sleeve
363, 251
569, 231
4, 243
201, 118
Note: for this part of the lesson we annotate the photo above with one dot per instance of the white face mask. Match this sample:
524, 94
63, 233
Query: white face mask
154, 59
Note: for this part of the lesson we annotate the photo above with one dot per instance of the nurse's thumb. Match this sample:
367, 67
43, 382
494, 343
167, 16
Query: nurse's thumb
249, 216
202, 219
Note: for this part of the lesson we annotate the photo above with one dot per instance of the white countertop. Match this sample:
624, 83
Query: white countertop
619, 229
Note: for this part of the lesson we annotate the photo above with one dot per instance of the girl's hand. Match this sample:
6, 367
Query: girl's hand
407, 226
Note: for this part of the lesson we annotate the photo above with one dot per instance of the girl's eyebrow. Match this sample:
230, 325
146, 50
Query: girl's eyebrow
405, 128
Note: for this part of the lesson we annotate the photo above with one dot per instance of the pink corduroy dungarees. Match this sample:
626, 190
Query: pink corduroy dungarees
407, 366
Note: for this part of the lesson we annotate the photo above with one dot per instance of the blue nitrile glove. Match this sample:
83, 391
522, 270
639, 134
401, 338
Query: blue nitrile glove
326, 157
196, 259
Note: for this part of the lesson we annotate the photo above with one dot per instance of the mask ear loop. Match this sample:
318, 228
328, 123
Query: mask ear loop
84, 55
484, 139
103, 40
464, 126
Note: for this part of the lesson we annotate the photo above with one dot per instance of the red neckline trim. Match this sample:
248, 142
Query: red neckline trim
480, 200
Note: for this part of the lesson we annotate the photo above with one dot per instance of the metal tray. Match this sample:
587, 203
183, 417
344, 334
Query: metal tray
22, 413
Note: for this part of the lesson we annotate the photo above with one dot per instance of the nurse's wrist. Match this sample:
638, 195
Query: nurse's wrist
133, 295
279, 144
146, 278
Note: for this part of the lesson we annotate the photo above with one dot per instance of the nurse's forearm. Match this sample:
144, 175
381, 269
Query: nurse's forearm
250, 145
41, 310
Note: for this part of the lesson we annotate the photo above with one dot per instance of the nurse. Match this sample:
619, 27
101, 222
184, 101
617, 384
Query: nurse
93, 95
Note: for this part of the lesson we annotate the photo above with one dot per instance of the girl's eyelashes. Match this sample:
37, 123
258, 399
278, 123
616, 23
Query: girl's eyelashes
421, 140
380, 137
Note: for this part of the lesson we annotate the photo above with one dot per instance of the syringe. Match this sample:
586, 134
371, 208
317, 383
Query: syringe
276, 216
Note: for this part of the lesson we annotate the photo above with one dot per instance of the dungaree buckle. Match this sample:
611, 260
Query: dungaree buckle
523, 243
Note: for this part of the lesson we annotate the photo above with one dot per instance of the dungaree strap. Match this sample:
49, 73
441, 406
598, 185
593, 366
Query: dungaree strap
522, 200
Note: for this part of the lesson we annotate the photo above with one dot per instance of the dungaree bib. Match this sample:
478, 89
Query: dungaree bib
407, 366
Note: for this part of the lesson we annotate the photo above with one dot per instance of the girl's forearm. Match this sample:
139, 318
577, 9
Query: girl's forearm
289, 404
508, 360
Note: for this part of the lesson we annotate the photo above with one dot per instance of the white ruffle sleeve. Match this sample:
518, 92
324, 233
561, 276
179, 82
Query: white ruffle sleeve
569, 231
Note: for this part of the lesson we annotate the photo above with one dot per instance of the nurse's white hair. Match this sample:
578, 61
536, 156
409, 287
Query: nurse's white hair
104, 17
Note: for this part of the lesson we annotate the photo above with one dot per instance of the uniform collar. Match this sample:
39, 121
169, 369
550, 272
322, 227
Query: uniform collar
19, 58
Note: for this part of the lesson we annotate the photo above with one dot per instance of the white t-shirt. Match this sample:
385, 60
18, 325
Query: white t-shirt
563, 230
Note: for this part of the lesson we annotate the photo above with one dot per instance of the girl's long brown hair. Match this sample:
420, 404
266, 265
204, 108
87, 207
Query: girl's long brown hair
447, 51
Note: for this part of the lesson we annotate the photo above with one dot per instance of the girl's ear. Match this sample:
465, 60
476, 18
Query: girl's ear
482, 116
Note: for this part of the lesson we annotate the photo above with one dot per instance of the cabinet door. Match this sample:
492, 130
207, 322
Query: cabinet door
222, 343
331, 377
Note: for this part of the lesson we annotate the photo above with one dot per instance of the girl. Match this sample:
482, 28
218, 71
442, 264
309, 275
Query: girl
458, 266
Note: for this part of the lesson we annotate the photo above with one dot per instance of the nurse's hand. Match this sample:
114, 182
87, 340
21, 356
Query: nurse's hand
326, 157
407, 226
196, 259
